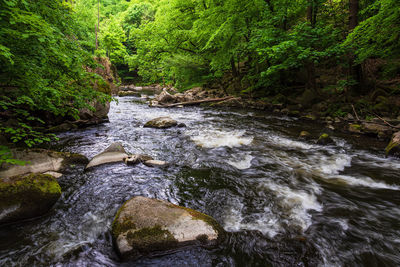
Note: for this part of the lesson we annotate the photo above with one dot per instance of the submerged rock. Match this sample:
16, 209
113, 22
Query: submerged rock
355, 128
40, 161
393, 148
136, 159
325, 139
24, 197
161, 123
114, 153
376, 129
305, 135
146, 226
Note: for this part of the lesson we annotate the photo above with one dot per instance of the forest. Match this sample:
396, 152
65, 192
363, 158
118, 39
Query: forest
199, 133
279, 51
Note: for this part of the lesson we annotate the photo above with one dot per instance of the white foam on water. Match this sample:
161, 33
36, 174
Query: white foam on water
333, 164
219, 138
343, 223
241, 162
379, 162
295, 203
9, 210
266, 222
362, 181
288, 143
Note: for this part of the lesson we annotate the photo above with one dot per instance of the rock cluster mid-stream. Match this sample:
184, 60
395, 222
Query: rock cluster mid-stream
279, 199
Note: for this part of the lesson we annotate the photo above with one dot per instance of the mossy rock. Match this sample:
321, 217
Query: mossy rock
305, 135
325, 139
40, 161
161, 123
393, 148
144, 226
24, 197
355, 128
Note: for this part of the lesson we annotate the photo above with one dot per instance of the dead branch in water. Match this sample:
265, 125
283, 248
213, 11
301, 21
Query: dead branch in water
196, 102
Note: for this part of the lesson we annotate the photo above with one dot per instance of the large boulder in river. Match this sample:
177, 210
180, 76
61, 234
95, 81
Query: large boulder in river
40, 161
393, 148
161, 123
165, 98
114, 153
145, 226
97, 115
24, 197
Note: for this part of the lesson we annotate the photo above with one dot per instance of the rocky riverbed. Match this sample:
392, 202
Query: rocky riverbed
282, 199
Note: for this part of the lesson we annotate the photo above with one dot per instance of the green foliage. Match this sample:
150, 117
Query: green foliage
44, 47
6, 157
378, 35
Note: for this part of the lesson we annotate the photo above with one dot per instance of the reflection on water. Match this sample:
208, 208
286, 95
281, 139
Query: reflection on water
283, 201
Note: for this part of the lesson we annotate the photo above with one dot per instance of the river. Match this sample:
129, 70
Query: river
283, 201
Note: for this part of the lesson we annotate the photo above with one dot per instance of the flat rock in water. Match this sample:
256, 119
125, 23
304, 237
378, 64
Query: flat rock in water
40, 161
54, 174
145, 226
155, 163
23, 197
161, 123
114, 153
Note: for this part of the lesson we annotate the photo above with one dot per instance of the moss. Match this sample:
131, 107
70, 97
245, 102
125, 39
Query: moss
118, 228
356, 126
40, 183
151, 238
324, 136
34, 194
390, 147
304, 134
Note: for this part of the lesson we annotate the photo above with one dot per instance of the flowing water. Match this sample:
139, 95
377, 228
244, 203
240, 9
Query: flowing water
283, 201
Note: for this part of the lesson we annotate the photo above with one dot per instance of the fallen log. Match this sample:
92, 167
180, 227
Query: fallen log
196, 102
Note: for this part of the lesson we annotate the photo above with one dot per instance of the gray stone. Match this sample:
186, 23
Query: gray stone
146, 226
155, 163
54, 174
165, 98
100, 112
114, 153
40, 161
161, 123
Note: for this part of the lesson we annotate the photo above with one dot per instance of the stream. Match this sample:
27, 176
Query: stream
283, 201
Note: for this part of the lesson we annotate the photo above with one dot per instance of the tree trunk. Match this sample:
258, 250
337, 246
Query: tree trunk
234, 70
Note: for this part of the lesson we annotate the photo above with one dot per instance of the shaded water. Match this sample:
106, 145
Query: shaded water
283, 201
